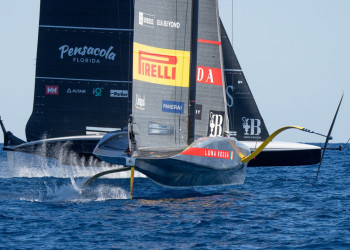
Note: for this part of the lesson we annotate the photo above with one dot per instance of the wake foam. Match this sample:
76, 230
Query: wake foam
28, 165
56, 192
63, 183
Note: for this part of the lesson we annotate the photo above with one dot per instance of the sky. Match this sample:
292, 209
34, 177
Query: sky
295, 55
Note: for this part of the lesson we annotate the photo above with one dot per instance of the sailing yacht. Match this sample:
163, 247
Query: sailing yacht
83, 78
182, 131
83, 86
178, 69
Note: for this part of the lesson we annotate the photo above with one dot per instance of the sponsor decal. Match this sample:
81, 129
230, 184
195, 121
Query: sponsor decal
212, 153
173, 107
97, 91
161, 66
216, 123
168, 24
119, 93
160, 129
140, 102
148, 66
251, 126
87, 54
146, 20
229, 96
51, 90
76, 91
209, 75
198, 112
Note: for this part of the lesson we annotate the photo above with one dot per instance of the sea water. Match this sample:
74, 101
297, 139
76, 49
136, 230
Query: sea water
42, 205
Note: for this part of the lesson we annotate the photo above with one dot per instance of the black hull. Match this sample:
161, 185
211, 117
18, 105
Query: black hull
176, 173
286, 158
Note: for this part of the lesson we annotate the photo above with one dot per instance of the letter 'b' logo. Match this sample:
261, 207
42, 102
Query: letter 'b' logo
216, 123
251, 126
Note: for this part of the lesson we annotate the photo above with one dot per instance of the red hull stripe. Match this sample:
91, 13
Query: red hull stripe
209, 41
213, 153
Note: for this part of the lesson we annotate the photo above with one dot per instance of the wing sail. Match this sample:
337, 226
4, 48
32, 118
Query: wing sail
211, 118
161, 70
245, 119
83, 67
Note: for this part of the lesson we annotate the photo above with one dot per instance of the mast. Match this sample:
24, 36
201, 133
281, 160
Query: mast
193, 74
227, 123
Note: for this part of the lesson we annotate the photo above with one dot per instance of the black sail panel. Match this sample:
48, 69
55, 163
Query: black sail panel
211, 119
162, 40
83, 69
245, 119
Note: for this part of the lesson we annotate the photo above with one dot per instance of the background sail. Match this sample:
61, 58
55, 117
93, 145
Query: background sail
210, 93
83, 68
161, 72
245, 119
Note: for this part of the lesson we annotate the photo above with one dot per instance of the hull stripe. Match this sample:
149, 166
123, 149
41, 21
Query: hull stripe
212, 153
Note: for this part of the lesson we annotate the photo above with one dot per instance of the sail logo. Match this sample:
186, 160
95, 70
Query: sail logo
251, 126
229, 96
209, 75
76, 91
168, 24
146, 20
173, 107
119, 93
140, 102
161, 66
97, 91
84, 54
216, 123
198, 115
51, 90
157, 65
212, 153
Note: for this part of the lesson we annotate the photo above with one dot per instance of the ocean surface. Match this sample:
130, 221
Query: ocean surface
42, 205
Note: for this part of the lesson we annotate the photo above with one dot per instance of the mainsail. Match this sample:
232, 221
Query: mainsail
245, 119
161, 70
83, 68
211, 118
84, 63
